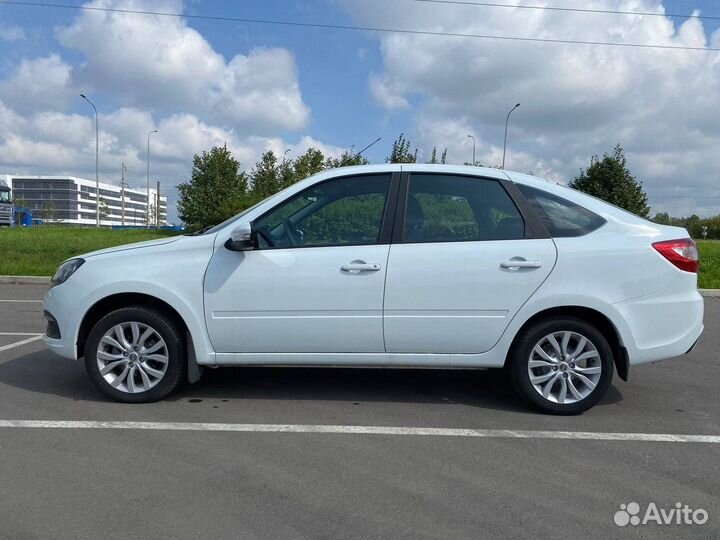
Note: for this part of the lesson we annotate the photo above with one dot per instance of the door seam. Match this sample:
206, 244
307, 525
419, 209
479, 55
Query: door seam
382, 311
387, 258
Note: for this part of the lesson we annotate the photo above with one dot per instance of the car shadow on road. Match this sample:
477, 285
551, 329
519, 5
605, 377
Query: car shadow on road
46, 373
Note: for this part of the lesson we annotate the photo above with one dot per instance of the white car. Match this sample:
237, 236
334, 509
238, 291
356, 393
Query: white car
421, 266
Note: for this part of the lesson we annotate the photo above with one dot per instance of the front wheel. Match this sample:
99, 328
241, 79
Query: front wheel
561, 365
135, 355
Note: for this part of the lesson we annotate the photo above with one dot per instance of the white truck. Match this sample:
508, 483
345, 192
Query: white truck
6, 204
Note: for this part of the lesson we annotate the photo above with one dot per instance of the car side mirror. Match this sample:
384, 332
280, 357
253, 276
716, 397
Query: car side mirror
242, 238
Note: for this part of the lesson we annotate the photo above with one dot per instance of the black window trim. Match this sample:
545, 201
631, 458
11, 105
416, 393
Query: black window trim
386, 222
534, 228
563, 199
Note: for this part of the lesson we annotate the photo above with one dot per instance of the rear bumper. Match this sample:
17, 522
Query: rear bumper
663, 325
692, 346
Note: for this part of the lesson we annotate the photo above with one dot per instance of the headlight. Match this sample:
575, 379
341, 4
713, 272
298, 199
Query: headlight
66, 270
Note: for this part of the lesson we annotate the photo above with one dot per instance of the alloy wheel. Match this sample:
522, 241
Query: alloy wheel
132, 357
564, 367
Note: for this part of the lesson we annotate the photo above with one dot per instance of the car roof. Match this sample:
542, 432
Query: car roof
418, 167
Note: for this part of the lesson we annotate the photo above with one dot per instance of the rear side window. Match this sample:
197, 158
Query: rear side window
561, 217
449, 208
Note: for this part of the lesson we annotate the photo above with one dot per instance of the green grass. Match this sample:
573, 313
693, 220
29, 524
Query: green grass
37, 251
709, 277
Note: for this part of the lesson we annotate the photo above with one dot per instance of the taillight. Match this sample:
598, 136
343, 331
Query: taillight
682, 253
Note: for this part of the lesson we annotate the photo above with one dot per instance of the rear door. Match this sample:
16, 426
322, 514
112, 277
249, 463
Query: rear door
464, 259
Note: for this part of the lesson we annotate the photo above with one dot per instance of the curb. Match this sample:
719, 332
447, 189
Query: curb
710, 293
25, 280
45, 280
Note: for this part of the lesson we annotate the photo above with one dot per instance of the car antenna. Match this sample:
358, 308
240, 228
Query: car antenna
369, 145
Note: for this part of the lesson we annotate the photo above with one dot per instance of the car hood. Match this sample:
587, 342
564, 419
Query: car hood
137, 245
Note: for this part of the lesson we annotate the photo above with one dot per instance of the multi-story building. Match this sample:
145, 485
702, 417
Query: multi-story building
72, 200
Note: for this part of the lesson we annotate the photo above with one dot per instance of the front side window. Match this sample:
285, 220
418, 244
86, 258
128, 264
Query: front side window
446, 208
4, 196
561, 217
346, 211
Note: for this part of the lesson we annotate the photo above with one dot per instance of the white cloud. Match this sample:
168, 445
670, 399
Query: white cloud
387, 94
260, 88
145, 73
38, 84
65, 143
183, 135
162, 62
11, 33
577, 100
58, 143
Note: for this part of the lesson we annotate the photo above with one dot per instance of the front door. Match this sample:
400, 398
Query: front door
316, 283
460, 268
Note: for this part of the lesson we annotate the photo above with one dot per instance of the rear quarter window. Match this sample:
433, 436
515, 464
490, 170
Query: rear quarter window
562, 218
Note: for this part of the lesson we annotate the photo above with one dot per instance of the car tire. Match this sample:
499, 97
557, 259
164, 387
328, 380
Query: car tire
136, 355
561, 365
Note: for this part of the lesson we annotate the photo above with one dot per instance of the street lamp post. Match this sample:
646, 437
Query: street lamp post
97, 163
507, 119
123, 168
148, 175
473, 139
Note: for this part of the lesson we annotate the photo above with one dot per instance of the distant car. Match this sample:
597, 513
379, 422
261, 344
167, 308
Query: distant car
419, 266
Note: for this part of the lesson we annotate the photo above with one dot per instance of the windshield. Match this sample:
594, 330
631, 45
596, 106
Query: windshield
5, 196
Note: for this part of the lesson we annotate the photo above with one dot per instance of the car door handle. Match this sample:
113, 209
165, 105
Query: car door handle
359, 266
520, 263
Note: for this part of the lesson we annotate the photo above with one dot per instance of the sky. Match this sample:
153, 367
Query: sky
257, 87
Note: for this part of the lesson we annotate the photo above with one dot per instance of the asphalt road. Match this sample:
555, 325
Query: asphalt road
156, 483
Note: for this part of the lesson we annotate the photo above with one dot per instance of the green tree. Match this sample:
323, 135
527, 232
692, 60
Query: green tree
434, 158
104, 208
48, 211
662, 218
151, 215
693, 224
401, 151
480, 164
216, 190
270, 175
347, 159
610, 179
311, 162
266, 176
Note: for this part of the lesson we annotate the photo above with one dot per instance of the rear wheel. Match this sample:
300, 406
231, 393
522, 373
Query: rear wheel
135, 355
562, 365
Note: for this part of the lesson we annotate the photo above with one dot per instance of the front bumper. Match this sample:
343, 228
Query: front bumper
59, 304
53, 329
